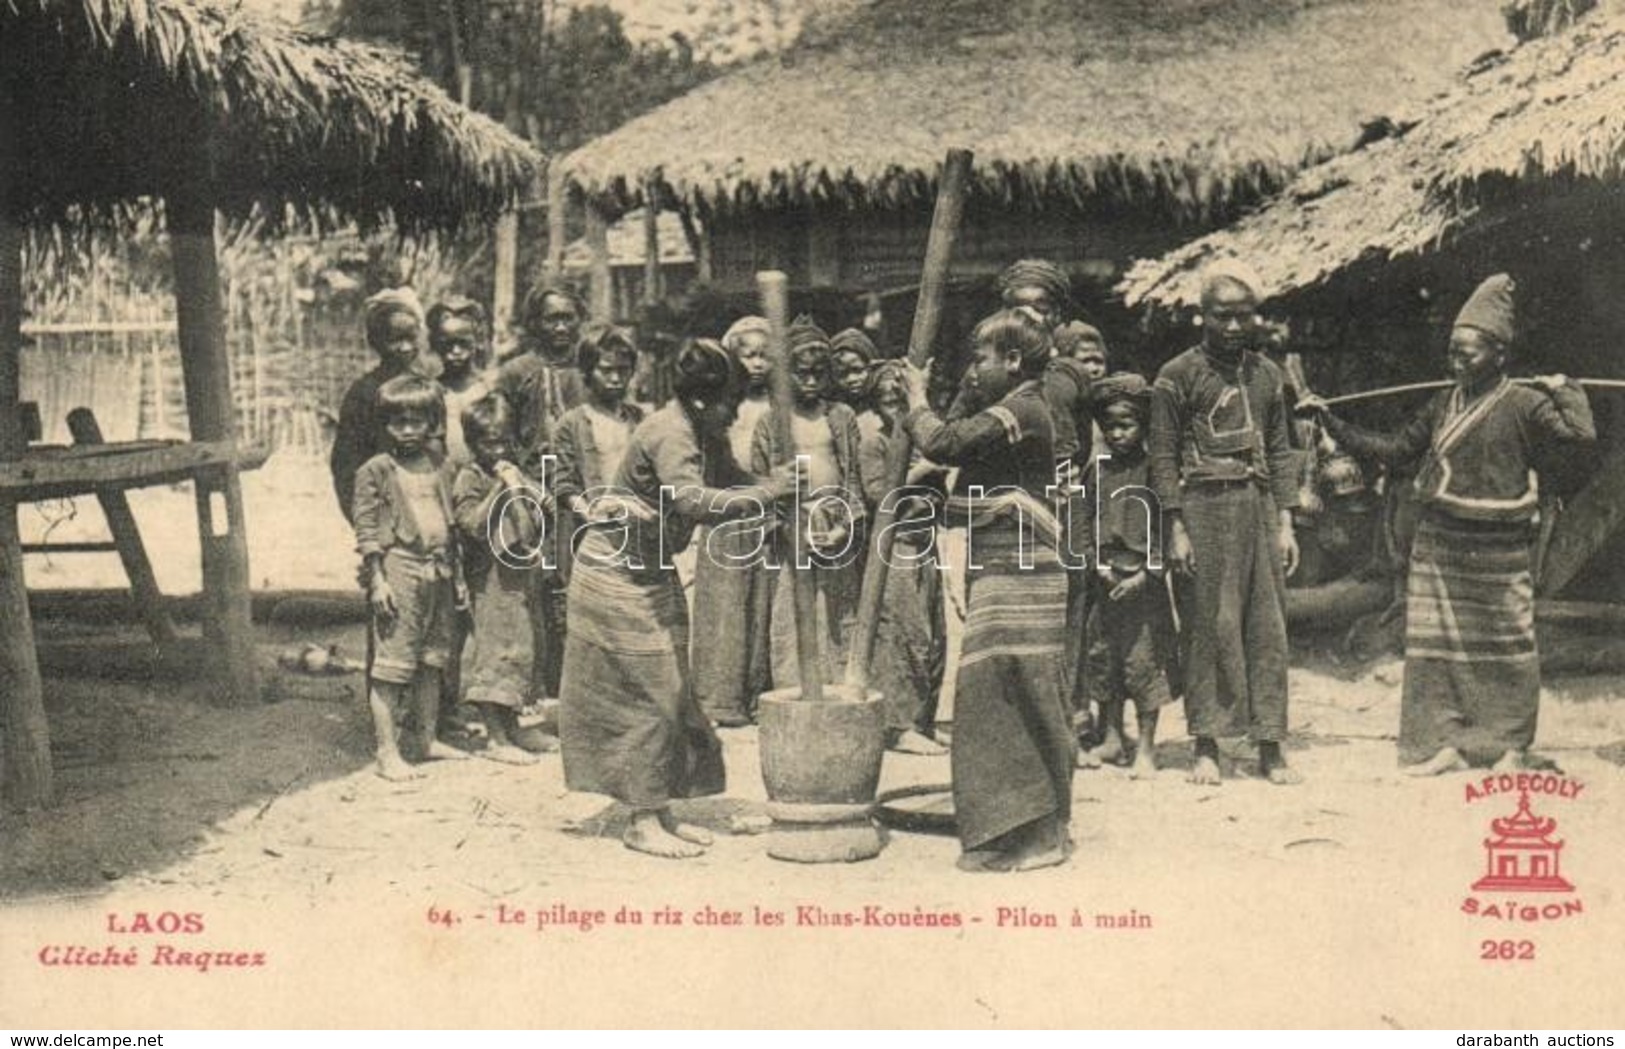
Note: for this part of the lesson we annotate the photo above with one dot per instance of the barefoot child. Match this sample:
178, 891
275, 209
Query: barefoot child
825, 434
732, 588
591, 437
500, 516
1013, 747
629, 724
1132, 648
1472, 672
404, 533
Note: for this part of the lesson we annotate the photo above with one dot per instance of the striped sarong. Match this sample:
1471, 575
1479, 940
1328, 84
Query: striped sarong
1013, 747
628, 723
1472, 672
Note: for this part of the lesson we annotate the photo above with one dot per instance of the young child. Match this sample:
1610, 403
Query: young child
459, 338
404, 533
629, 724
498, 668
911, 641
1013, 745
1132, 650
732, 591
394, 326
590, 438
825, 432
852, 355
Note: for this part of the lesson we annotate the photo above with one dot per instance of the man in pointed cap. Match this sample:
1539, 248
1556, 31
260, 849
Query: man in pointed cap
1223, 471
1472, 672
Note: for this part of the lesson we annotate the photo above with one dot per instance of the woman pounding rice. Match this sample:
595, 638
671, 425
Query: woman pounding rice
1472, 673
629, 724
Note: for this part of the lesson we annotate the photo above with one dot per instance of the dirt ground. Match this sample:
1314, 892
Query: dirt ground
1338, 903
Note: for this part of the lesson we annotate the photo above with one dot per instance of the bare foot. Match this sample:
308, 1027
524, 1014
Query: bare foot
508, 754
646, 835
1088, 758
1110, 752
1205, 773
1145, 765
438, 751
534, 740
1283, 775
686, 831
976, 861
395, 770
1036, 854
919, 744
1511, 761
1447, 760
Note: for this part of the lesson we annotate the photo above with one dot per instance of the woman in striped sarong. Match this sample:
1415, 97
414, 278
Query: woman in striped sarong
629, 723
1013, 745
1472, 674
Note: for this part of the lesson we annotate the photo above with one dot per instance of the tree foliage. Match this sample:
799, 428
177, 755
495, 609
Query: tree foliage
560, 76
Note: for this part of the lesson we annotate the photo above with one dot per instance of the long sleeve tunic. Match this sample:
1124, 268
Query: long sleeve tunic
1218, 422
1477, 459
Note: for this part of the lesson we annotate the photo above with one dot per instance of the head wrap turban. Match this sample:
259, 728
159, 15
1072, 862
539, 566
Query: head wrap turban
391, 300
742, 327
1037, 273
854, 341
1123, 388
1233, 270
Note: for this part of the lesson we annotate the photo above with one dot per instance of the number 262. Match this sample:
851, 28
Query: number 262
1506, 951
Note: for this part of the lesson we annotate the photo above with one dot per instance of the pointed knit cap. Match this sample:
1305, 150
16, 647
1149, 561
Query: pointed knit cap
1490, 308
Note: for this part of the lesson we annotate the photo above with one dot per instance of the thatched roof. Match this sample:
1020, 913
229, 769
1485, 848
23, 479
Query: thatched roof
1548, 115
1187, 105
124, 99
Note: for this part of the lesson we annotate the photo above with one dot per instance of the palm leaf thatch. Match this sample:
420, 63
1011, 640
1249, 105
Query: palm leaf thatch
1546, 117
120, 100
1188, 106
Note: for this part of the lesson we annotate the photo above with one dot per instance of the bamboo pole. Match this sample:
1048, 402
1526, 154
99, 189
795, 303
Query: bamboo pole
774, 288
206, 368
1440, 384
24, 732
939, 249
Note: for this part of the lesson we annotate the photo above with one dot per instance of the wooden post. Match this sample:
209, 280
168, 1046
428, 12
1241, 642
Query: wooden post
558, 228
601, 301
699, 244
505, 271
149, 600
25, 761
206, 367
939, 249
775, 292
652, 291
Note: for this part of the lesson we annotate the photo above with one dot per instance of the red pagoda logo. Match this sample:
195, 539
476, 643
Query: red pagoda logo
1522, 856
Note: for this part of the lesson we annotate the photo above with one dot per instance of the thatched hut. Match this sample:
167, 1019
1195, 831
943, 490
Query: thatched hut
1102, 131
1522, 169
105, 104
